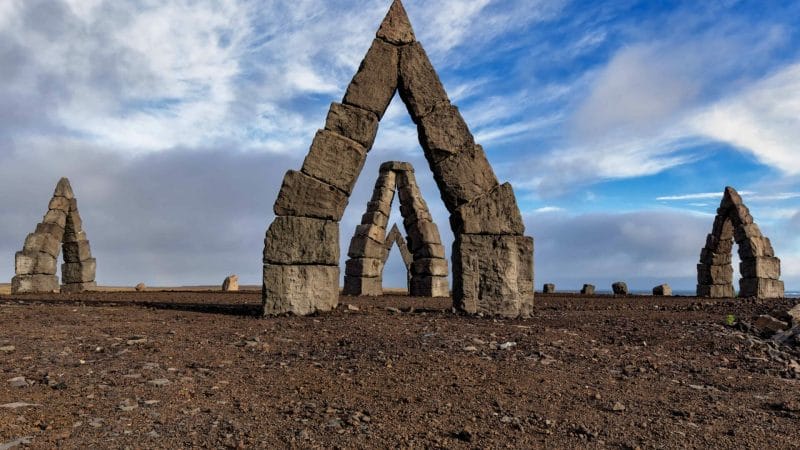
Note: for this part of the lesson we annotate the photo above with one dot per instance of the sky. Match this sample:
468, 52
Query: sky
618, 123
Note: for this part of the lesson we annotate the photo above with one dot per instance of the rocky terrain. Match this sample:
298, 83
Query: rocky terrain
187, 369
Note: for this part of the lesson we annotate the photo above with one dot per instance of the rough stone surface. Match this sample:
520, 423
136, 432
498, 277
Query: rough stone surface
428, 286
335, 160
364, 247
52, 229
231, 283
430, 251
620, 288
794, 314
353, 123
56, 216
663, 290
74, 288
364, 267
420, 87
36, 242
375, 83
363, 286
396, 238
373, 232
31, 284
549, 288
63, 189
396, 28
494, 213
422, 233
487, 271
770, 324
376, 218
34, 263
443, 133
77, 251
302, 240
79, 272
464, 177
304, 196
140, 287
300, 290
59, 203
396, 166
430, 266
759, 267
588, 289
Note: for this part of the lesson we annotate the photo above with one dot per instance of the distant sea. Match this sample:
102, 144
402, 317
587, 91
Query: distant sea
684, 293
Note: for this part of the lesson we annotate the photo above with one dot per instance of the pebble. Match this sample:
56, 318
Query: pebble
507, 345
159, 382
353, 307
16, 405
7, 349
18, 382
470, 348
618, 407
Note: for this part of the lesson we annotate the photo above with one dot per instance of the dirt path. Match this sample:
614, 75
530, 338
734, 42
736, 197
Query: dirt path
181, 369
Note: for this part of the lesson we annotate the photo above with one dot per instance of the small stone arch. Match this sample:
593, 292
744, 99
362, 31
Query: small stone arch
492, 259
759, 267
369, 248
61, 229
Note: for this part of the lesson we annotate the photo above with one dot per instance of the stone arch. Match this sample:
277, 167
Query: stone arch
492, 260
759, 267
61, 229
369, 248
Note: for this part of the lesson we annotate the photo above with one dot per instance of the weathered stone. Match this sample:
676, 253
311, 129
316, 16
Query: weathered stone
719, 246
364, 247
420, 87
380, 207
549, 288
230, 284
59, 203
140, 287
620, 288
428, 286
761, 288
74, 288
715, 290
714, 274
304, 196
52, 229
396, 166
73, 230
740, 215
373, 232
363, 286
32, 284
375, 83
36, 242
353, 123
663, 290
77, 251
386, 180
464, 177
443, 133
755, 247
396, 28
376, 218
56, 216
395, 237
412, 214
494, 213
421, 233
384, 196
761, 267
715, 259
63, 189
300, 290
588, 289
34, 263
794, 314
335, 160
488, 271
746, 232
79, 272
364, 267
730, 198
302, 240
430, 266
430, 251
769, 324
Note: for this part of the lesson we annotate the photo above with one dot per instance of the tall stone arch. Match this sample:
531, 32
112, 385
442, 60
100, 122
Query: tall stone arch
492, 260
369, 250
395, 238
61, 229
759, 267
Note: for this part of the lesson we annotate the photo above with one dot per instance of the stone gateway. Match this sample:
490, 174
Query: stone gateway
759, 267
61, 229
492, 259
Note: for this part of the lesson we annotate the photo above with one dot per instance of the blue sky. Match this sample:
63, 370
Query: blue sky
619, 124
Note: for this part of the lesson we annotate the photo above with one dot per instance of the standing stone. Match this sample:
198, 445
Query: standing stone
588, 289
375, 82
140, 287
620, 288
549, 288
60, 229
300, 290
396, 28
353, 123
663, 290
759, 267
231, 284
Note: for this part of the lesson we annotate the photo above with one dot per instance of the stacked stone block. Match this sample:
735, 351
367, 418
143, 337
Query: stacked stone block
492, 259
396, 238
369, 248
759, 268
61, 228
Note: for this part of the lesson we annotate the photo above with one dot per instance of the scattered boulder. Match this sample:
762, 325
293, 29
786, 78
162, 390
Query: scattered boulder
588, 289
549, 288
770, 325
620, 288
663, 290
231, 284
794, 313
140, 287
